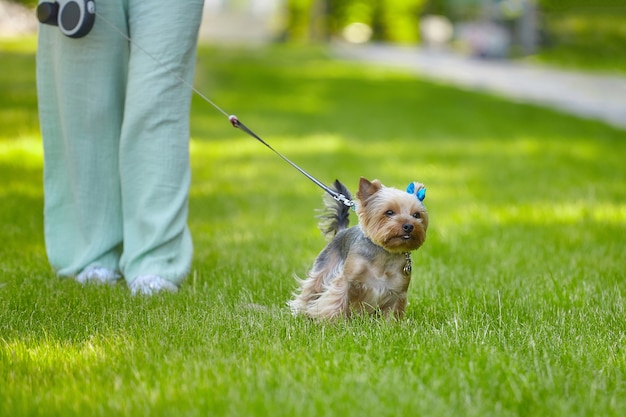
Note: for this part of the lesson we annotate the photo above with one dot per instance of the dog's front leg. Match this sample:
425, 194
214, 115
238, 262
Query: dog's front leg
396, 310
400, 307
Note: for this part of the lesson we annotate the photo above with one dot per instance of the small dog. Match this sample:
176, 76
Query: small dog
365, 268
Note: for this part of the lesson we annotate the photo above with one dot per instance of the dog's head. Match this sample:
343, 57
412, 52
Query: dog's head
396, 220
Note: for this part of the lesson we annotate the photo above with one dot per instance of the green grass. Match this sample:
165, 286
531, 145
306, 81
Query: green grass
517, 300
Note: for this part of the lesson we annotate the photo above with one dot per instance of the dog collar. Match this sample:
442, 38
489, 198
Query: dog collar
408, 266
408, 261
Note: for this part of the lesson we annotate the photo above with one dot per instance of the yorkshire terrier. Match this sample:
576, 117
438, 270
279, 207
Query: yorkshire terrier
365, 268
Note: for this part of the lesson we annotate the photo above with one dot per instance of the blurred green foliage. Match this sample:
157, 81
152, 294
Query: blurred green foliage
573, 33
390, 20
590, 35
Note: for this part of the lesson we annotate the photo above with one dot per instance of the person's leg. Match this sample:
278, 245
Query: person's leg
154, 148
81, 84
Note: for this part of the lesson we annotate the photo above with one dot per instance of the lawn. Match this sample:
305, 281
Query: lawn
517, 299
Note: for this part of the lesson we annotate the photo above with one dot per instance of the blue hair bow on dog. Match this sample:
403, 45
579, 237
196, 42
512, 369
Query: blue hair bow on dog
421, 192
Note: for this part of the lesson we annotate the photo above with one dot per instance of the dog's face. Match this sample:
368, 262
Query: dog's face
393, 219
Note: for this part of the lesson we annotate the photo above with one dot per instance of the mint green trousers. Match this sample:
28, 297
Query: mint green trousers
115, 127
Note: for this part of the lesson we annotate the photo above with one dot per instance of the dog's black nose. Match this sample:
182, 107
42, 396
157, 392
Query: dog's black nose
407, 227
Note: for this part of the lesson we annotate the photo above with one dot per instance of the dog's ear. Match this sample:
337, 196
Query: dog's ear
367, 189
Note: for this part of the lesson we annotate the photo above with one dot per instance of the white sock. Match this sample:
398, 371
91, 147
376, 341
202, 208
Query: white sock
97, 275
150, 284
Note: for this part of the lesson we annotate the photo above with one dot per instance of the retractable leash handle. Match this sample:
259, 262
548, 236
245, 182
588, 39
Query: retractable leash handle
75, 18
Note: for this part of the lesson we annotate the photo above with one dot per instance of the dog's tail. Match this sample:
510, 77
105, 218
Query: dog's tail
335, 215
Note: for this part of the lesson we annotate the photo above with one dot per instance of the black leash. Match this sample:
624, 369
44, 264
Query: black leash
334, 194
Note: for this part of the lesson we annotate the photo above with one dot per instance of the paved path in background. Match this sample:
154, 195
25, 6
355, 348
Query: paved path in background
601, 97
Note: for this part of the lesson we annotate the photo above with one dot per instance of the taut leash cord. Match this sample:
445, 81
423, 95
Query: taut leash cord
337, 196
232, 118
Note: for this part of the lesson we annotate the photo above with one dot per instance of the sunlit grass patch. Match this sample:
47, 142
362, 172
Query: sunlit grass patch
24, 152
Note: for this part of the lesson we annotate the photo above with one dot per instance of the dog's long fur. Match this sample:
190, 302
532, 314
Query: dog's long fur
365, 268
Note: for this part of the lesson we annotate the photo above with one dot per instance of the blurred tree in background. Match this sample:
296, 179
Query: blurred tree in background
579, 33
389, 20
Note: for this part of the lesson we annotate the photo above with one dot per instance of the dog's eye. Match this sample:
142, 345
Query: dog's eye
417, 214
389, 213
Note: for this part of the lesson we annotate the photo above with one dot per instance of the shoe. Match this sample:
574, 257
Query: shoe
150, 285
97, 275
